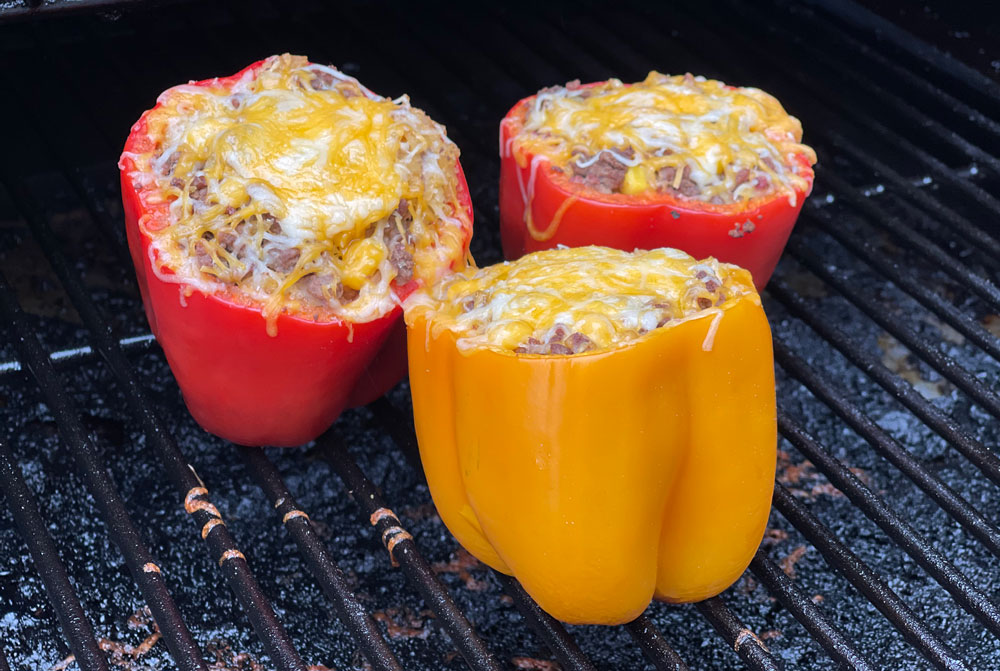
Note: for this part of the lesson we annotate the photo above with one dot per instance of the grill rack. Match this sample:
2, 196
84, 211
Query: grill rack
277, 643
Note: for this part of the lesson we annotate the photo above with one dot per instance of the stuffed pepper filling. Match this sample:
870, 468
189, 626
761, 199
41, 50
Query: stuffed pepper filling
298, 190
574, 301
693, 138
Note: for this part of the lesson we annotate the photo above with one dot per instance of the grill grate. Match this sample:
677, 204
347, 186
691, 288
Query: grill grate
920, 227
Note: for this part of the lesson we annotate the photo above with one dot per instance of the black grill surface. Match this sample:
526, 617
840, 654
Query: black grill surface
884, 311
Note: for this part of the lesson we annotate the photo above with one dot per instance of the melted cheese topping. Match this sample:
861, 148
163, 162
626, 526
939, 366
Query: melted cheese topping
733, 144
584, 299
297, 172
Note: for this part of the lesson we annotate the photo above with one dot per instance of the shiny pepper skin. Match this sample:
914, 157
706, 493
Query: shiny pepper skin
603, 480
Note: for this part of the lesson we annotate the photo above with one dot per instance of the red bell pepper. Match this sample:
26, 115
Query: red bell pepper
541, 208
239, 382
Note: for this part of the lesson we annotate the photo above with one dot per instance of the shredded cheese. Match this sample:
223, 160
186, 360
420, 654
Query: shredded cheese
291, 187
584, 299
732, 144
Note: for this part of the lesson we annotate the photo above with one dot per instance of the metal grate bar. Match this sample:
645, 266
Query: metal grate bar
654, 645
909, 192
866, 581
196, 500
552, 632
403, 551
874, 128
904, 231
141, 562
887, 446
965, 592
940, 361
324, 568
897, 73
76, 626
869, 21
904, 108
732, 630
984, 459
907, 281
791, 596
81, 355
35, 8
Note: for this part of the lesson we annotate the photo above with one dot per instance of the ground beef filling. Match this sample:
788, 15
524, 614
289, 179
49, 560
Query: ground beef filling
324, 81
315, 289
559, 341
703, 292
680, 138
605, 173
398, 241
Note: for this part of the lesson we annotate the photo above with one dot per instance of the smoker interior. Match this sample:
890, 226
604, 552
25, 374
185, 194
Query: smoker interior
882, 547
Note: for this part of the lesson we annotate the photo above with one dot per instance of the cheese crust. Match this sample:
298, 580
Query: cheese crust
578, 300
296, 189
694, 138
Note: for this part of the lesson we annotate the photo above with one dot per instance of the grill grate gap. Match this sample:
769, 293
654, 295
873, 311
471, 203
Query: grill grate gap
930, 353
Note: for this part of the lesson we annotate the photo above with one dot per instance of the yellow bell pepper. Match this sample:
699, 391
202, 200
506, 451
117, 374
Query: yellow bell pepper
600, 480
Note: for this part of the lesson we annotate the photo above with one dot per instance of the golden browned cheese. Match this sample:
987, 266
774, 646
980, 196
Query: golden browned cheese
292, 184
667, 129
571, 301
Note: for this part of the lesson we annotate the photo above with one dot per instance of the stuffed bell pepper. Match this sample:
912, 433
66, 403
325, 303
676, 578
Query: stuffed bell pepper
676, 161
598, 423
277, 218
